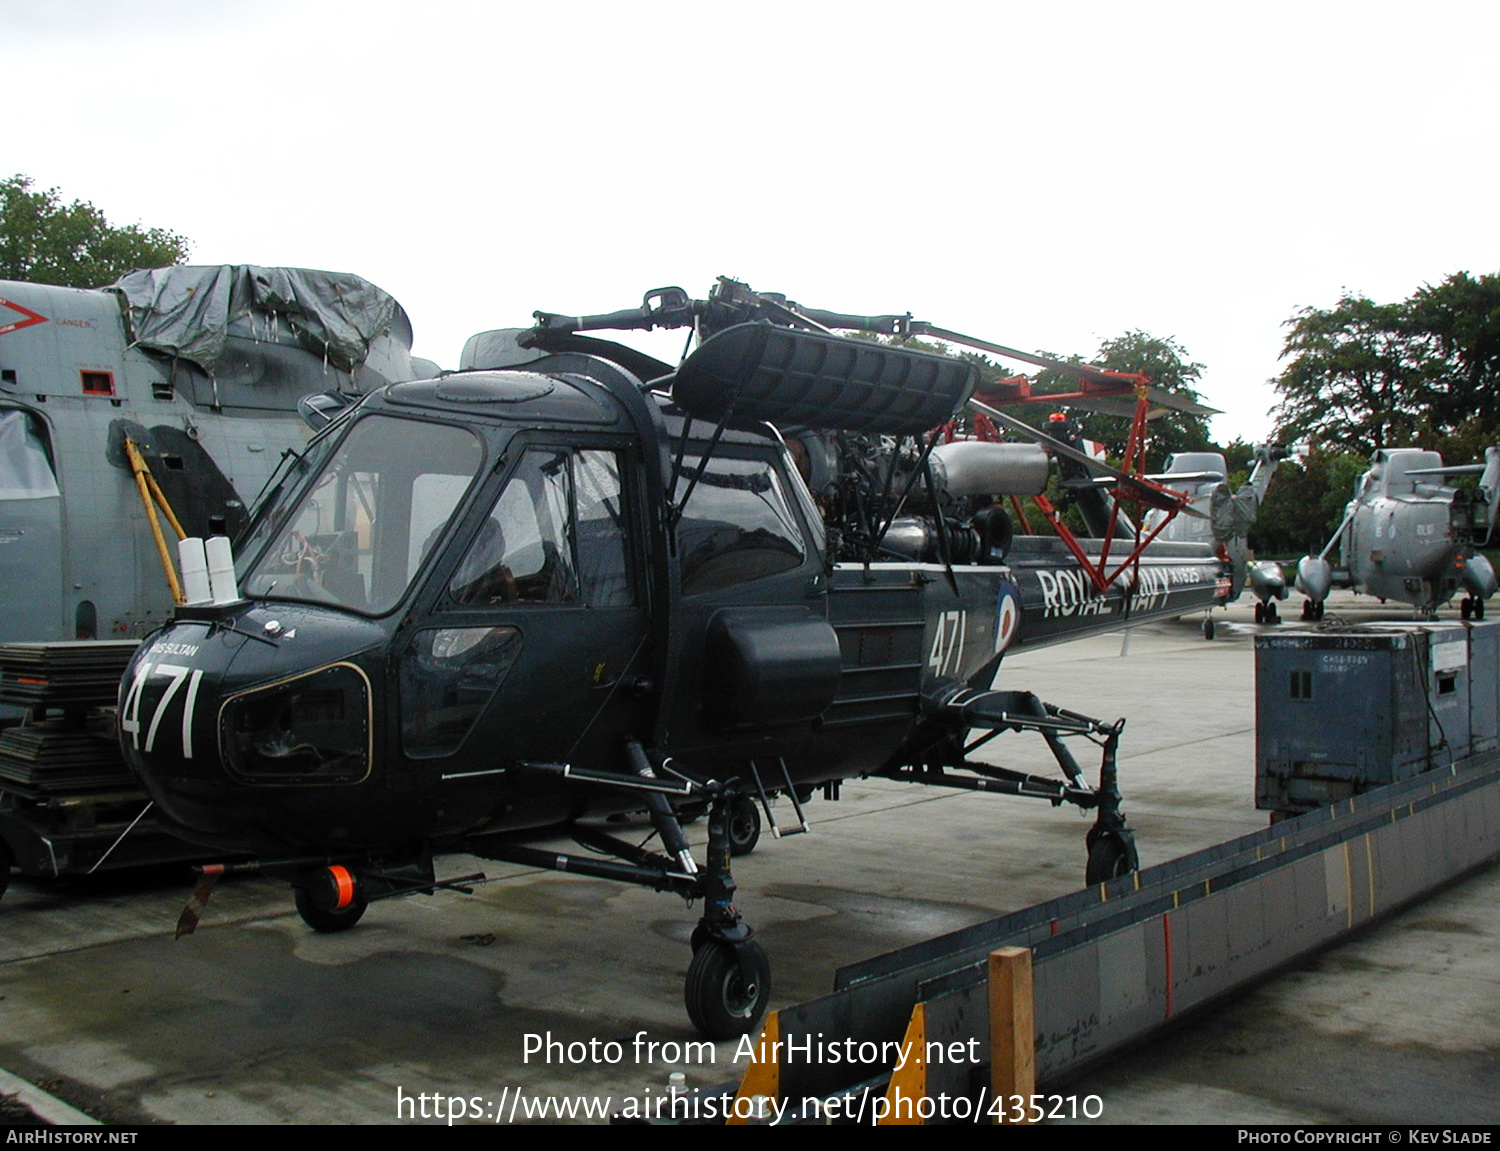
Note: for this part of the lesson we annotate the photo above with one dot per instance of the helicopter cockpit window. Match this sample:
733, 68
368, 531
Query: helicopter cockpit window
360, 534
738, 525
556, 534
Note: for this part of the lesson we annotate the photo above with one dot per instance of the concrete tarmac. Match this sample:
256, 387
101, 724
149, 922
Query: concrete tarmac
544, 990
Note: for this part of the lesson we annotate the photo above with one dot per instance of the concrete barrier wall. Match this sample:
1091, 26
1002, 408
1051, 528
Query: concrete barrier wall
1222, 932
1115, 962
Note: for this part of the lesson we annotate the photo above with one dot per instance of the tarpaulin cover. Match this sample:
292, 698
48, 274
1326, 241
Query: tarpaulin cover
1233, 516
187, 311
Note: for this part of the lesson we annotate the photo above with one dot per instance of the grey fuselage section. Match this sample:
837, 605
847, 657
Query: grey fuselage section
77, 557
1399, 543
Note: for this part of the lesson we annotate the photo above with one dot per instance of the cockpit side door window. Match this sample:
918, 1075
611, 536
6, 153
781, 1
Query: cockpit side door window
555, 534
738, 525
542, 610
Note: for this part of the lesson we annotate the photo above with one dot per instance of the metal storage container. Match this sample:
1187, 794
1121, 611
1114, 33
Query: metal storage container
1484, 686
1339, 712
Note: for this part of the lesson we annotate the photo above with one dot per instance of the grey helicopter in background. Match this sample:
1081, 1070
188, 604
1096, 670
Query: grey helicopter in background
1408, 536
1226, 518
203, 369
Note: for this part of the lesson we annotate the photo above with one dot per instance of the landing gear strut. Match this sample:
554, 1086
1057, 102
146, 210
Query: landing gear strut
729, 980
1110, 841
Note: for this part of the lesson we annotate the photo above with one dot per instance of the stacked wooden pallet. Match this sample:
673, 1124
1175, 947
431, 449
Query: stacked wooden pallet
72, 674
63, 747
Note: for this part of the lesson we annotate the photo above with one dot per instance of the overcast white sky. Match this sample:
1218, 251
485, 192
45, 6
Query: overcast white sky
1043, 175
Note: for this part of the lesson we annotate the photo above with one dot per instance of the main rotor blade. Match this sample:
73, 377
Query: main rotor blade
671, 307
1167, 479
1455, 470
1082, 371
1162, 401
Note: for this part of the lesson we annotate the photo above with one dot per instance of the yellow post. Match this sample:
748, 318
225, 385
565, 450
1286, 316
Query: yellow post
763, 1076
1012, 1028
909, 1082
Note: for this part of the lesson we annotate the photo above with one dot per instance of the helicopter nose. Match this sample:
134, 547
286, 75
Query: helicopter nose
1479, 577
1314, 577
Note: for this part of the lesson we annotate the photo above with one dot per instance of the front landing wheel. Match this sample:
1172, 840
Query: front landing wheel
725, 999
1109, 858
324, 919
744, 826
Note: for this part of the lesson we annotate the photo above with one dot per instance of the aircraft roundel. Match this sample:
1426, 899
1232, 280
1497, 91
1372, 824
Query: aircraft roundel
1007, 615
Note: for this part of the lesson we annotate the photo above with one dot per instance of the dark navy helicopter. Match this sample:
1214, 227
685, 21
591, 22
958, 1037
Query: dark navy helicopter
575, 581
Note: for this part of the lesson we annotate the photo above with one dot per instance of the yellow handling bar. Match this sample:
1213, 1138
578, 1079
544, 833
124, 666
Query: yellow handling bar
151, 497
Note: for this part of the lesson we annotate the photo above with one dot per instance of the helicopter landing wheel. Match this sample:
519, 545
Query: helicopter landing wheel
326, 920
744, 826
1208, 627
1271, 614
1479, 609
721, 1001
1109, 858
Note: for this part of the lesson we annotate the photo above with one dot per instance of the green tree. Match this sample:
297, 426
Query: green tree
1357, 377
46, 241
1165, 363
1305, 504
1459, 320
1423, 372
1238, 456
